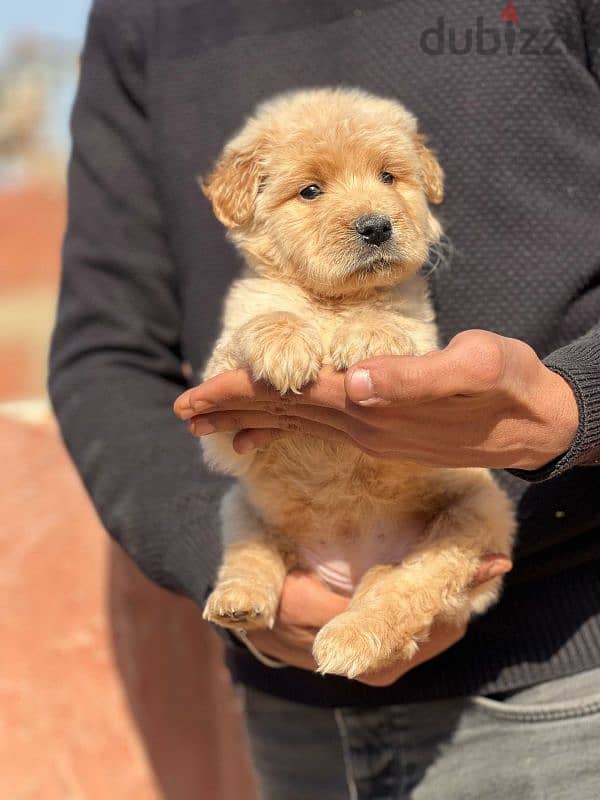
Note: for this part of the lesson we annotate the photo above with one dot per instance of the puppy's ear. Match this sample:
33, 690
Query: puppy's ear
233, 184
433, 175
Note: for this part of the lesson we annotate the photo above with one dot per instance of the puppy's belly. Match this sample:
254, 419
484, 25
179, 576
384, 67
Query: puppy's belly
340, 564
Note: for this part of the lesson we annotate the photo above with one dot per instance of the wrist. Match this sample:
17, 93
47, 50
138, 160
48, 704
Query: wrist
556, 409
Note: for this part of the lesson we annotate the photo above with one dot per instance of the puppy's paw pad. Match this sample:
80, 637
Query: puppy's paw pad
239, 606
353, 344
349, 646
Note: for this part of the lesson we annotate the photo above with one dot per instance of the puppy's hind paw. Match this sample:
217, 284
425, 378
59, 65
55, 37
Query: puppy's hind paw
347, 646
354, 645
234, 604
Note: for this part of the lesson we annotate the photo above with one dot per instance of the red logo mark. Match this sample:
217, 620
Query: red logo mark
509, 14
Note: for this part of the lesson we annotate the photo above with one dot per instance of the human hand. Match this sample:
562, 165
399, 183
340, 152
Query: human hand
307, 605
483, 401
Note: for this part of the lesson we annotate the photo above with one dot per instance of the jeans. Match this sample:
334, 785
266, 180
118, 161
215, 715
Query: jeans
538, 743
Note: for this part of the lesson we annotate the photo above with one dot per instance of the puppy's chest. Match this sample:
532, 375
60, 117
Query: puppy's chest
328, 322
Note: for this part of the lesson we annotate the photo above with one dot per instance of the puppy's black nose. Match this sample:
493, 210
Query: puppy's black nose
374, 228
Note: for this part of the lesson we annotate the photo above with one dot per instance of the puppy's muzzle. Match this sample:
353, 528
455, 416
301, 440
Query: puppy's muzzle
374, 228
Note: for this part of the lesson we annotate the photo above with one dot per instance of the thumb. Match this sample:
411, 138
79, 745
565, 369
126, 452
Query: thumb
491, 566
470, 364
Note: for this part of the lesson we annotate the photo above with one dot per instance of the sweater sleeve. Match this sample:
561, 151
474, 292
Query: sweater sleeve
115, 365
590, 20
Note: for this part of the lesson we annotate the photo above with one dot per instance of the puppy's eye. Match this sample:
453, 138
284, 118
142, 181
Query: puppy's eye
387, 177
311, 192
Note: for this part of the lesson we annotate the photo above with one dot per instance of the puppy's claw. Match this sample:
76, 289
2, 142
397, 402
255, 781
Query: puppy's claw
288, 374
240, 606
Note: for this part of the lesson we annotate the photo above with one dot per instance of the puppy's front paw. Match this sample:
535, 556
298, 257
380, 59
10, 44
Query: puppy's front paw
235, 604
354, 343
282, 350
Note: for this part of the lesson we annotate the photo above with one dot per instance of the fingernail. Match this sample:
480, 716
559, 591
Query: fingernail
245, 446
200, 405
200, 427
183, 412
362, 385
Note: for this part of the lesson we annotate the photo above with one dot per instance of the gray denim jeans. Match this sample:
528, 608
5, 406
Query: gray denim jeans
538, 743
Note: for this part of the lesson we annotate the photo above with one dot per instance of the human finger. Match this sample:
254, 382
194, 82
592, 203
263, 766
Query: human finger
492, 565
237, 386
442, 636
472, 363
256, 432
307, 602
289, 418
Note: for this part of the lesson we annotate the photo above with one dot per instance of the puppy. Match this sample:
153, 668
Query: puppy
327, 195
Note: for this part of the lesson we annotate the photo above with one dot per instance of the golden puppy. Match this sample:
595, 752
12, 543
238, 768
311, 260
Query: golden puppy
326, 193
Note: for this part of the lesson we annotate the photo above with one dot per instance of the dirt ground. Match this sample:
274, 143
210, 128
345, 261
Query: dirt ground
109, 686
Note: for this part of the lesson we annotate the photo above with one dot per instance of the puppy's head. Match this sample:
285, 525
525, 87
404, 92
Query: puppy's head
329, 189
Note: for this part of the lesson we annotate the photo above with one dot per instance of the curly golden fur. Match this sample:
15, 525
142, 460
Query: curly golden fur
314, 292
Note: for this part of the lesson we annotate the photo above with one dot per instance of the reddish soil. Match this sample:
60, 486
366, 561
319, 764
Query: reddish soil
111, 687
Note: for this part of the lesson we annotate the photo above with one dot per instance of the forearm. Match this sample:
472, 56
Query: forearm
115, 363
143, 472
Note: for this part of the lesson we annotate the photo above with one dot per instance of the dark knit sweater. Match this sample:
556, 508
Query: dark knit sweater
164, 83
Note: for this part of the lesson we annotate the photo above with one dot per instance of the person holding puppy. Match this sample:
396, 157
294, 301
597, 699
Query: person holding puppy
509, 705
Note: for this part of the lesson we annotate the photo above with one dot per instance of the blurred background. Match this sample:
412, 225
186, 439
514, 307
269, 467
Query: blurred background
109, 686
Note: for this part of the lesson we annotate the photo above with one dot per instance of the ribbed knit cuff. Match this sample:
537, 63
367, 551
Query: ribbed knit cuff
579, 364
